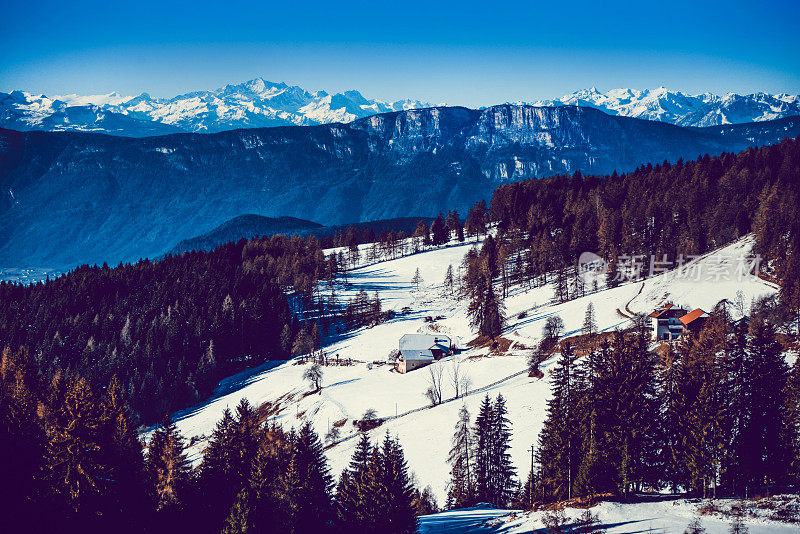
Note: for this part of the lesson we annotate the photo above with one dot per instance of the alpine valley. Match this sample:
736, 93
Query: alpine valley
73, 197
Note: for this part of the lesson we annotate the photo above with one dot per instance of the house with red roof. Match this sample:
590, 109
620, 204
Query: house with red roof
694, 321
666, 322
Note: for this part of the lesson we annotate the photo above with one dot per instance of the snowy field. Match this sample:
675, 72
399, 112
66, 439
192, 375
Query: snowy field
663, 517
348, 391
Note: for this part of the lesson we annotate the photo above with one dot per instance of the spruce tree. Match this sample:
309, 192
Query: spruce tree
355, 491
22, 444
589, 321
765, 448
502, 471
449, 281
167, 469
238, 520
126, 504
558, 441
460, 488
483, 443
395, 491
75, 464
216, 471
417, 279
309, 485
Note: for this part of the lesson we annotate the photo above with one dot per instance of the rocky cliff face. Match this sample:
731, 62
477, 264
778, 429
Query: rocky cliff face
68, 198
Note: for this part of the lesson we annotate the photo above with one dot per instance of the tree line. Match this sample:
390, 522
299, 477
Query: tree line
168, 330
718, 414
74, 462
663, 211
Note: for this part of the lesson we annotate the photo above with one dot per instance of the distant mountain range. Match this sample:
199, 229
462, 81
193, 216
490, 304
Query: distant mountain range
259, 103
253, 104
678, 108
69, 197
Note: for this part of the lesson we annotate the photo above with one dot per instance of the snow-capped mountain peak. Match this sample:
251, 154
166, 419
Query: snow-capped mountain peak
675, 107
254, 103
259, 102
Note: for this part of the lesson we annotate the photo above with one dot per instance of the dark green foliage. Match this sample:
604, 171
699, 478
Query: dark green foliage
375, 493
668, 209
308, 486
439, 232
168, 473
169, 329
494, 474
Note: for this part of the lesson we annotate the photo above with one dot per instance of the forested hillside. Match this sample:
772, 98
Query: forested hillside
666, 211
170, 329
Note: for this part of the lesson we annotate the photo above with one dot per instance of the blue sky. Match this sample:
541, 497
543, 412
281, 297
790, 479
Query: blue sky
457, 52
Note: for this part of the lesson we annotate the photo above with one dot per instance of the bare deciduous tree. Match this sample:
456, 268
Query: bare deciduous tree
459, 379
434, 391
314, 375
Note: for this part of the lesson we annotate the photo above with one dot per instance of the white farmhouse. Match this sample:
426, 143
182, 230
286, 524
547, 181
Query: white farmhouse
419, 350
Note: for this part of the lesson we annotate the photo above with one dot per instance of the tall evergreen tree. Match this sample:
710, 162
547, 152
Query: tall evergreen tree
460, 488
483, 443
308, 485
355, 491
764, 454
558, 451
502, 471
589, 321
75, 464
216, 472
395, 491
167, 468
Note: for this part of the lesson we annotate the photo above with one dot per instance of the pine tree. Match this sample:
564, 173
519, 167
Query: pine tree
589, 321
395, 490
238, 520
449, 281
122, 448
216, 471
269, 509
485, 308
21, 439
558, 440
355, 491
503, 472
765, 447
309, 485
561, 288
453, 224
793, 415
460, 489
75, 464
167, 469
417, 280
483, 443
439, 233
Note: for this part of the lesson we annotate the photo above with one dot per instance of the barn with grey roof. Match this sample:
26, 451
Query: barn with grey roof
419, 350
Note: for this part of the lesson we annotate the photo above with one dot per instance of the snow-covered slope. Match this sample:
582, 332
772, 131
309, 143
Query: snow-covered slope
679, 108
425, 433
250, 104
663, 517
